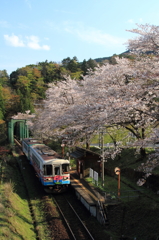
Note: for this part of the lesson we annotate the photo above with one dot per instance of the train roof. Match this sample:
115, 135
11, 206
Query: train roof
44, 151
47, 153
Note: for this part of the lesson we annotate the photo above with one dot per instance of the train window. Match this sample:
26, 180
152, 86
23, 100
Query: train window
65, 168
35, 160
47, 170
57, 170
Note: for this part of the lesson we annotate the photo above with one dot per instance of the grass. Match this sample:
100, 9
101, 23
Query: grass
17, 221
110, 188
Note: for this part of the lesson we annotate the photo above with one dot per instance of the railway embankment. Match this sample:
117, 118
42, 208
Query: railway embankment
16, 220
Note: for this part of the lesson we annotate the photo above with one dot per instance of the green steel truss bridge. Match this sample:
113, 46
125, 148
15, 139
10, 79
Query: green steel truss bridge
18, 126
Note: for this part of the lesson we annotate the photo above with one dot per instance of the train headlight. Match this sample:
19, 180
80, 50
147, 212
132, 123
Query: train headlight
48, 179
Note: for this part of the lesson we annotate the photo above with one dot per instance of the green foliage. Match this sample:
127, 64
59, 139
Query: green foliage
76, 69
25, 102
86, 65
51, 72
76, 75
72, 65
3, 132
2, 104
99, 60
29, 85
112, 60
4, 78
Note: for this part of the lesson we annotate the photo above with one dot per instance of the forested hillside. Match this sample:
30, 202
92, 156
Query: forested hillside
26, 86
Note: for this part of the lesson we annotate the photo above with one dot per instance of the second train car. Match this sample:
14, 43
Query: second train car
52, 170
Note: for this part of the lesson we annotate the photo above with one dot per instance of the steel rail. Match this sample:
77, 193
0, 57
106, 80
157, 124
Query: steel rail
65, 220
81, 221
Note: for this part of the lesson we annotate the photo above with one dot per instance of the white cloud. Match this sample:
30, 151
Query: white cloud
29, 41
14, 40
46, 47
33, 42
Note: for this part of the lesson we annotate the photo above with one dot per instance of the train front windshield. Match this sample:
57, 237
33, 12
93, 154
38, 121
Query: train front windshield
65, 168
56, 169
47, 170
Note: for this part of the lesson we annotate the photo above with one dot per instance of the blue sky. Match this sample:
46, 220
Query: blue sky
33, 31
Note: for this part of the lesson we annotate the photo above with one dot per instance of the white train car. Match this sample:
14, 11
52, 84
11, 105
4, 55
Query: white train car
52, 170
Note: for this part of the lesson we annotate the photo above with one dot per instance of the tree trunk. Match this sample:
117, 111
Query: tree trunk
142, 152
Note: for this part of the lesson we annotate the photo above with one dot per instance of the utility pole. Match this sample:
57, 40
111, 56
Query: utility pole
102, 159
101, 140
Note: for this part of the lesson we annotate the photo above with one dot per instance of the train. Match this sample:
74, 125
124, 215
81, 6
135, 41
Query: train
52, 171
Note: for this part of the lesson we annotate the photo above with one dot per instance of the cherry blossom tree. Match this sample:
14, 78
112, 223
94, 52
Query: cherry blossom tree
124, 94
147, 40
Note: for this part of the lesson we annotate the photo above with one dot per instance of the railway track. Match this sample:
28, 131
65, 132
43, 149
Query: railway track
76, 227
34, 190
69, 225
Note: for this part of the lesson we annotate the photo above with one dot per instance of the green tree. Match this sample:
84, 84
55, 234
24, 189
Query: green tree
92, 64
4, 78
71, 64
66, 61
51, 72
8, 102
86, 65
2, 104
25, 102
112, 59
3, 132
